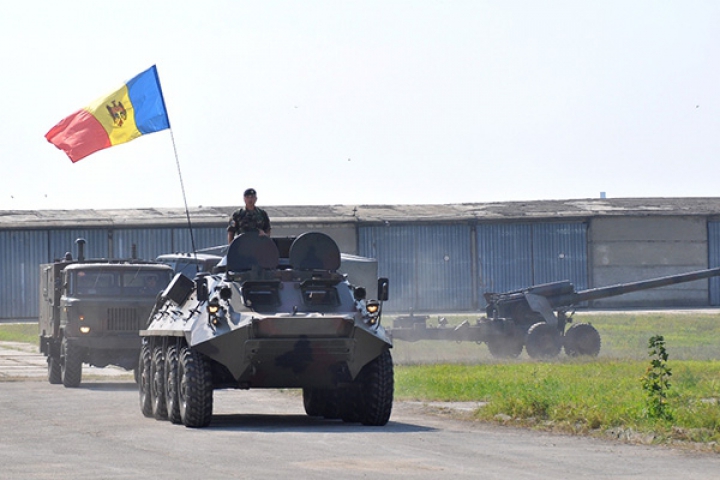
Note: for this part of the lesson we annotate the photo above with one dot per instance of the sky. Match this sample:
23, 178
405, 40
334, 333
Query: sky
366, 102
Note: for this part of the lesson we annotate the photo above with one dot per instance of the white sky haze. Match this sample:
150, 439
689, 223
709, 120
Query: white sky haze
367, 102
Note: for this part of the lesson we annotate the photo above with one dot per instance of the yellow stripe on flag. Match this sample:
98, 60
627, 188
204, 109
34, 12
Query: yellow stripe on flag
117, 116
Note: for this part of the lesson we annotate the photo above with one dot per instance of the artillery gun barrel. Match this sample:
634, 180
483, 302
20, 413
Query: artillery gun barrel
623, 288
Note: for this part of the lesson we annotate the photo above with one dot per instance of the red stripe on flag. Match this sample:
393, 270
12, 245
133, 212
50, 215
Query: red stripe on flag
79, 135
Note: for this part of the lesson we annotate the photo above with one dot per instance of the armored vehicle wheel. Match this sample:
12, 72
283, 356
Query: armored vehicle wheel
54, 370
331, 407
70, 364
543, 341
350, 405
313, 401
195, 395
171, 384
582, 339
506, 346
157, 388
144, 369
377, 388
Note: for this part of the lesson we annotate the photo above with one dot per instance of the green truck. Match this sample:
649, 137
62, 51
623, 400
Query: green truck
91, 311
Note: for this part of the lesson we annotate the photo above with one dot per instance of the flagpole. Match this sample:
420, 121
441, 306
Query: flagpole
182, 187
177, 162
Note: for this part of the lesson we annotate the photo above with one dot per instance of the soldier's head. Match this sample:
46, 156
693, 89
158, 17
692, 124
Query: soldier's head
250, 197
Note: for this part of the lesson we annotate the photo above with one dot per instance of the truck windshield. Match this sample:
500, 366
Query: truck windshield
115, 283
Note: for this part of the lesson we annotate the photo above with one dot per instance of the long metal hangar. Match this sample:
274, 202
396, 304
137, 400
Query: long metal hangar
439, 258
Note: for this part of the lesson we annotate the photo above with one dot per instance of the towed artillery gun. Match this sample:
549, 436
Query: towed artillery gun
535, 318
275, 313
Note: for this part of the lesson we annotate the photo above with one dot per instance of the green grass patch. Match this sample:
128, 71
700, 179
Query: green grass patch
19, 332
575, 396
602, 396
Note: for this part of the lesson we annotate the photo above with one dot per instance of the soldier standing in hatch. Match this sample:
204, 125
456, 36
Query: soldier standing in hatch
249, 219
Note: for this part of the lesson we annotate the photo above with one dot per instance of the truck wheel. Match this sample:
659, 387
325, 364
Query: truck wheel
144, 370
376, 394
157, 388
54, 370
195, 395
582, 339
543, 341
70, 364
171, 384
505, 346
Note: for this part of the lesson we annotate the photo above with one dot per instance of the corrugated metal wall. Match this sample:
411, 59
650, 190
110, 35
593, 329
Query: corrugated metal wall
150, 242
505, 257
429, 266
63, 241
204, 238
560, 253
714, 261
515, 256
21, 253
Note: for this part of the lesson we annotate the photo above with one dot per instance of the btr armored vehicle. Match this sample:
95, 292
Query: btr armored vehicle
91, 311
275, 314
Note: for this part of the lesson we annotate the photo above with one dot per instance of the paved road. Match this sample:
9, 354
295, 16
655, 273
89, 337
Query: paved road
97, 432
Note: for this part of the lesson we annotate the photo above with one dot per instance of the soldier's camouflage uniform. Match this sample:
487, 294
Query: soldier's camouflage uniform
243, 221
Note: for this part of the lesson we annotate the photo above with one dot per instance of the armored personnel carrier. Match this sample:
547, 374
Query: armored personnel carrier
91, 311
275, 314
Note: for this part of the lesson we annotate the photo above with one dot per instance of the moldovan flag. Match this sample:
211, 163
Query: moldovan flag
134, 110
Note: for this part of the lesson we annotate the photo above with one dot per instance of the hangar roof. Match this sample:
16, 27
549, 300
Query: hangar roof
538, 210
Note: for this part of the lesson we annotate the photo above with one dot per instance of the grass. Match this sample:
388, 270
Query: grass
577, 396
19, 332
597, 396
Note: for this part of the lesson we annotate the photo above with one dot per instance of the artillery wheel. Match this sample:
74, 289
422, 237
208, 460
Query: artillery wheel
195, 392
171, 384
145, 379
376, 391
582, 339
506, 346
70, 364
157, 386
54, 370
543, 341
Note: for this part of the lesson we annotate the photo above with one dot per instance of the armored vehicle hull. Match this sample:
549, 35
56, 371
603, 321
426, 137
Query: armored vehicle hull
277, 314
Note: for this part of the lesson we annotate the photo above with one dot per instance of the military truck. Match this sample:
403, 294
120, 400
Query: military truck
276, 313
91, 311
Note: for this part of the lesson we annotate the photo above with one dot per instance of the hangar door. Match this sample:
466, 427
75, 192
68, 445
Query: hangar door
429, 266
514, 256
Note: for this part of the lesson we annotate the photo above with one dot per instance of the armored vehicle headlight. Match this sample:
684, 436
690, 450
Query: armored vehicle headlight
372, 307
373, 312
213, 307
84, 329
